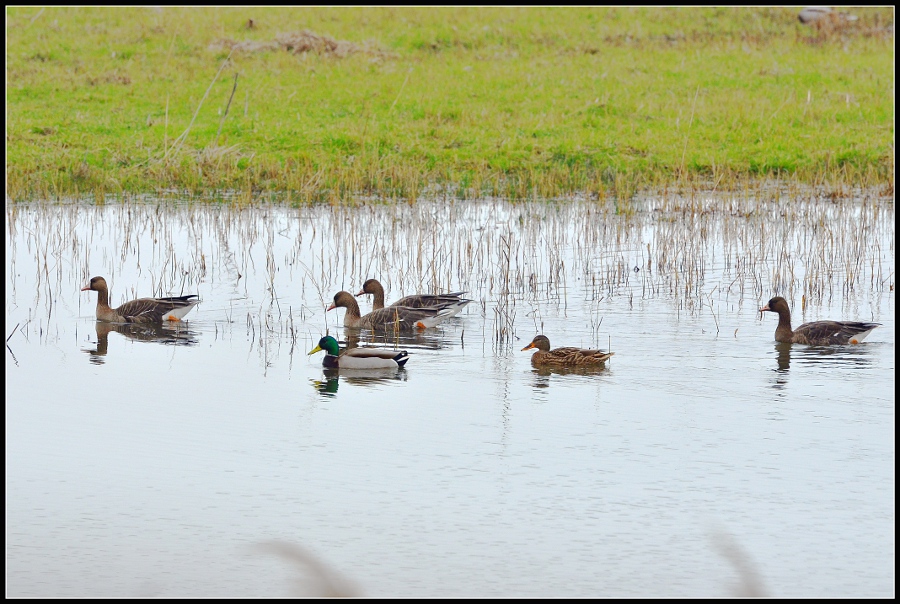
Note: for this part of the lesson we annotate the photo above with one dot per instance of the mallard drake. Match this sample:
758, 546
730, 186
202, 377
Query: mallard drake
564, 357
452, 301
399, 318
142, 310
358, 358
817, 333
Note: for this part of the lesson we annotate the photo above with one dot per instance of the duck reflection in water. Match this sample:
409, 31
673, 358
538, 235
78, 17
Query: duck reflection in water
367, 378
544, 373
177, 334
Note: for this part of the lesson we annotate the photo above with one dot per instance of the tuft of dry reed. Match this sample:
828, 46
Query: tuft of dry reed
701, 252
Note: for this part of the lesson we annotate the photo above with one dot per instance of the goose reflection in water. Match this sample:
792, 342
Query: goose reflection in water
176, 334
857, 355
837, 357
421, 340
367, 378
784, 355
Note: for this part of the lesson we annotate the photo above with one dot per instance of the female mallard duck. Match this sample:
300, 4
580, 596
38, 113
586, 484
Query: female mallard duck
142, 310
453, 302
817, 333
399, 318
564, 357
358, 358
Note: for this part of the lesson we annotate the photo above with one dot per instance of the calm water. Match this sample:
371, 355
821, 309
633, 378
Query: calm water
218, 459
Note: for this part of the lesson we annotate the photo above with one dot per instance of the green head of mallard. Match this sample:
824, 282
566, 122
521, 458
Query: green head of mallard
329, 345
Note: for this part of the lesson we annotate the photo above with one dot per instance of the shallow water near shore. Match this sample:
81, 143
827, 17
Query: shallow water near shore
214, 457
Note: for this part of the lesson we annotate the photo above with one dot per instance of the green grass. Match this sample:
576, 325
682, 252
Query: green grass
504, 101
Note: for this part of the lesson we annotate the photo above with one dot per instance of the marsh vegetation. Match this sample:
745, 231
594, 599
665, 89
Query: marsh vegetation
512, 259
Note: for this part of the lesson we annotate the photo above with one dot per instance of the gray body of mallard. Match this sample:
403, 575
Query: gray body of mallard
358, 358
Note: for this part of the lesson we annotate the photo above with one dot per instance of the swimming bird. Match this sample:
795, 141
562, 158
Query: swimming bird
451, 301
358, 358
817, 333
142, 310
400, 318
564, 357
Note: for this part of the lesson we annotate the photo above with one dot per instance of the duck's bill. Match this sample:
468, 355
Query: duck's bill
529, 346
314, 350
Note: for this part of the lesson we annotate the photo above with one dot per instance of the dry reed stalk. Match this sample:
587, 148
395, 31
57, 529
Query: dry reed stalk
695, 250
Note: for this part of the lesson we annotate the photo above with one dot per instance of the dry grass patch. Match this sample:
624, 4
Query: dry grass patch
298, 42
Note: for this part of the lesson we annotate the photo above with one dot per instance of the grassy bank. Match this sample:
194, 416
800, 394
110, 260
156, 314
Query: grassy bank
512, 102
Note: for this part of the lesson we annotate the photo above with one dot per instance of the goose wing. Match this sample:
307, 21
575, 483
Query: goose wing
153, 310
834, 332
430, 300
450, 302
402, 317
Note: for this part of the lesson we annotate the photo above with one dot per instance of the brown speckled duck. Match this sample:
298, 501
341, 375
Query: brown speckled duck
452, 302
400, 318
142, 310
564, 357
817, 333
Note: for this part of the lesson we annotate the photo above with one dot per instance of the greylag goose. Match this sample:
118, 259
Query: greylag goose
817, 333
452, 302
358, 358
564, 357
142, 310
400, 318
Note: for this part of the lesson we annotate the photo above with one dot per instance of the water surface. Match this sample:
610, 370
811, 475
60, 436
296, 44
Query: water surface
215, 458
